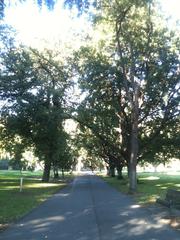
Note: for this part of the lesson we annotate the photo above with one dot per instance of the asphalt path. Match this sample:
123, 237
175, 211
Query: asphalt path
89, 209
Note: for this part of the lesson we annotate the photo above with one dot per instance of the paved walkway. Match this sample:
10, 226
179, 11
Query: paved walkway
89, 209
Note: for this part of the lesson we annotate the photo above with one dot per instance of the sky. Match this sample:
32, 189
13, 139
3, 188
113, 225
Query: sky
171, 7
34, 25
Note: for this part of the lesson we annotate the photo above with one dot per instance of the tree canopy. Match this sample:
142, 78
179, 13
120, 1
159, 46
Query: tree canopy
127, 73
33, 88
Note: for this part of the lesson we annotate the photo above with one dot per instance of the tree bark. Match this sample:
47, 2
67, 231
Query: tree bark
134, 144
46, 171
112, 171
62, 172
133, 101
119, 170
132, 179
56, 174
111, 167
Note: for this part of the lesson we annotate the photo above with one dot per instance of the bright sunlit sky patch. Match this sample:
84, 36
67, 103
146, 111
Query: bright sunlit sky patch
34, 24
171, 8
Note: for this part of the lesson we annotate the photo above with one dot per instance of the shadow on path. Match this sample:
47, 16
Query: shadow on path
89, 209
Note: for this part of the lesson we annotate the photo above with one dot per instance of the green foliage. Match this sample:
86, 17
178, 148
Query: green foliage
130, 80
34, 85
131, 84
98, 113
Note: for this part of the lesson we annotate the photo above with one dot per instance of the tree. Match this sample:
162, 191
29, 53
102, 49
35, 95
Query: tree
146, 62
146, 56
99, 111
162, 148
34, 86
130, 80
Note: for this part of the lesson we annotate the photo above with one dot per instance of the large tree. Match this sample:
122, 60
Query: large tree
146, 57
149, 67
33, 90
101, 110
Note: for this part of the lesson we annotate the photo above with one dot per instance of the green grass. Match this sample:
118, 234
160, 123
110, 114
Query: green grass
150, 185
13, 203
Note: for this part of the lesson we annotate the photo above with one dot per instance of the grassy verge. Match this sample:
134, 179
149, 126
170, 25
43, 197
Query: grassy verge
150, 185
13, 203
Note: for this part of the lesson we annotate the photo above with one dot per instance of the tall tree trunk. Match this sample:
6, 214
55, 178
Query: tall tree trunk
128, 169
132, 178
133, 101
111, 167
134, 144
108, 171
119, 171
112, 171
46, 172
62, 172
55, 170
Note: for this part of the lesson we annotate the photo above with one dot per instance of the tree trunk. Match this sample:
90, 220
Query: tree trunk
134, 146
111, 167
55, 170
62, 173
132, 97
128, 169
108, 171
119, 170
132, 179
46, 172
112, 171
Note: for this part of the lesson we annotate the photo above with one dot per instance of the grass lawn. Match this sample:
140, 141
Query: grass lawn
150, 185
13, 203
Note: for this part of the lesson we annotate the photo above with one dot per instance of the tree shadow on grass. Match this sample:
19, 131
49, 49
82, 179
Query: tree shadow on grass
90, 210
